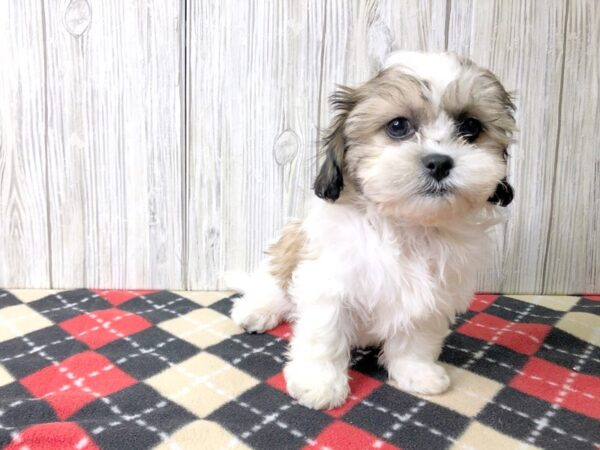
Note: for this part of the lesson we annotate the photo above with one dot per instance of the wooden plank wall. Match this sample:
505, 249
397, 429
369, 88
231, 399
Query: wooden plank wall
157, 143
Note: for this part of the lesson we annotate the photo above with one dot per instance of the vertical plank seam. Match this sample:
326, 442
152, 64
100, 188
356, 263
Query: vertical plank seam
46, 156
556, 149
320, 99
184, 92
447, 23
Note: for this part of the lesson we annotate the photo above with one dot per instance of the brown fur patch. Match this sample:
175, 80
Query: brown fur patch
286, 253
478, 93
391, 94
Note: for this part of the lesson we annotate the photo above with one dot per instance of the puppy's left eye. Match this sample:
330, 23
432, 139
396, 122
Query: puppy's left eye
399, 128
469, 129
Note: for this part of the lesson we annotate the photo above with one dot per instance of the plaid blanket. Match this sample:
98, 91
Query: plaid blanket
90, 369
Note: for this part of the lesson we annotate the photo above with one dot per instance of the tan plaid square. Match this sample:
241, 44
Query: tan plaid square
205, 435
5, 377
31, 295
478, 436
202, 327
19, 320
582, 325
202, 384
204, 298
468, 393
556, 302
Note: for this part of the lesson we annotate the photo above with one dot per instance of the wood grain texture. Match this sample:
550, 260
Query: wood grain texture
24, 251
573, 259
137, 151
114, 142
522, 42
253, 92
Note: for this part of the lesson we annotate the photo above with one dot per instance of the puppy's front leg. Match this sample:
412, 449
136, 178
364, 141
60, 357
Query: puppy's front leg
410, 358
317, 372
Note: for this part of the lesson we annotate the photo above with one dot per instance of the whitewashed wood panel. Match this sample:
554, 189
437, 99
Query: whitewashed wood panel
253, 113
138, 151
522, 42
573, 260
24, 259
115, 142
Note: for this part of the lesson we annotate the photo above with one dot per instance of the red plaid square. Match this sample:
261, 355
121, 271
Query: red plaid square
521, 337
555, 384
283, 331
77, 381
98, 328
360, 387
343, 435
592, 297
52, 436
117, 298
482, 301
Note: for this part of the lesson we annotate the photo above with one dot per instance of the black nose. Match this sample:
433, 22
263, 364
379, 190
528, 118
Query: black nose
438, 165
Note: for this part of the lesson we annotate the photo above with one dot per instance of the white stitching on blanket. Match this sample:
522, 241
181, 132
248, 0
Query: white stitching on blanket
113, 407
120, 361
533, 338
495, 337
563, 392
83, 333
510, 408
520, 372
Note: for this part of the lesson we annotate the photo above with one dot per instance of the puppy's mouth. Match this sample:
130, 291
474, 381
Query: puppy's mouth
437, 190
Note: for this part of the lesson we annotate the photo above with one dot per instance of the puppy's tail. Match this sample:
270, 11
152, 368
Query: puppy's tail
237, 281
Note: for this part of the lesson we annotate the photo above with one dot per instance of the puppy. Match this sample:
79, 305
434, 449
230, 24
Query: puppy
415, 164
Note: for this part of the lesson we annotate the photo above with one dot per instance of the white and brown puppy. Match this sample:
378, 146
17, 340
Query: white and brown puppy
415, 166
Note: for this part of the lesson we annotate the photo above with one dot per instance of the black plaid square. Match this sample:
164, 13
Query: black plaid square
7, 299
68, 304
267, 418
23, 356
534, 421
366, 362
586, 305
491, 361
406, 420
511, 309
224, 306
134, 418
159, 306
566, 350
155, 350
260, 355
19, 409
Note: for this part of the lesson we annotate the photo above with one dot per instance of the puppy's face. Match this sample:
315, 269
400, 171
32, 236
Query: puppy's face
426, 139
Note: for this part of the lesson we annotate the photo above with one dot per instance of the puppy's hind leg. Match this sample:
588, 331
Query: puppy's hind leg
264, 304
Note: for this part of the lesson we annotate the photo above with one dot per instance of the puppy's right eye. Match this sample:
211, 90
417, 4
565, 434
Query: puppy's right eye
399, 128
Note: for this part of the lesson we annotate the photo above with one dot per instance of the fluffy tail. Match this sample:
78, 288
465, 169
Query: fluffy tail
237, 281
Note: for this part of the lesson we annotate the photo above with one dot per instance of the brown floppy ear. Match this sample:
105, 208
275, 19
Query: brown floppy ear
330, 180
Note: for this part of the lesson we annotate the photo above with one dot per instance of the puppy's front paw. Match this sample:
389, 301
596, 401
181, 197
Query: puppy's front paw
420, 377
317, 386
252, 317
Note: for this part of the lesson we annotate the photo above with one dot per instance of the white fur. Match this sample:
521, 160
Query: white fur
440, 69
388, 267
373, 282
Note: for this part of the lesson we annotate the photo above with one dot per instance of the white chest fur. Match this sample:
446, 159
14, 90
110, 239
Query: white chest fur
389, 276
